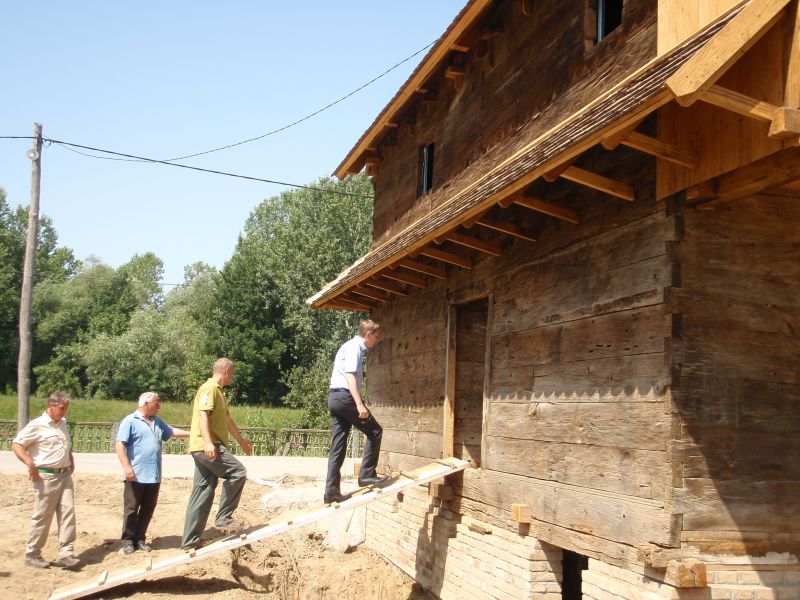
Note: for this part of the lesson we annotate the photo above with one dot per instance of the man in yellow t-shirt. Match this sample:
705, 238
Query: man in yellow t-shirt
209, 447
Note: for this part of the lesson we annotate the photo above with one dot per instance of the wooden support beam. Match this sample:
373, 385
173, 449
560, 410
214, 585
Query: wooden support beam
507, 228
774, 170
404, 278
355, 304
372, 293
785, 123
452, 72
521, 513
703, 69
555, 173
791, 87
440, 490
600, 183
446, 257
739, 103
470, 223
459, 48
421, 267
686, 573
655, 147
363, 301
341, 304
612, 141
547, 208
386, 286
475, 243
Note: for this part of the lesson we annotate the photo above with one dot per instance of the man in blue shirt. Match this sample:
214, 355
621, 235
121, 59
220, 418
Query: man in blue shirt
348, 410
139, 450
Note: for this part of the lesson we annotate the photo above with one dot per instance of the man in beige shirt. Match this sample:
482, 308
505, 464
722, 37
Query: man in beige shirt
44, 446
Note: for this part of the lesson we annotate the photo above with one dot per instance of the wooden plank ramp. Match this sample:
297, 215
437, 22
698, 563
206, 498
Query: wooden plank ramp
149, 567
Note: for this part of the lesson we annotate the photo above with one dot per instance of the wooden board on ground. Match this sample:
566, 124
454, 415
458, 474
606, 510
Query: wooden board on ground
149, 568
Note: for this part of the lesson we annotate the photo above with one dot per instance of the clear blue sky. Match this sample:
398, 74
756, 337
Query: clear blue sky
164, 79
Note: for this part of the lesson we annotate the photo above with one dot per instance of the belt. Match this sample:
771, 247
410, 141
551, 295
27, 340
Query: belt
52, 470
338, 390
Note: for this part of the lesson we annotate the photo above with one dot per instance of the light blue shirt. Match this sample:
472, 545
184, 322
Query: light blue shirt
143, 445
349, 359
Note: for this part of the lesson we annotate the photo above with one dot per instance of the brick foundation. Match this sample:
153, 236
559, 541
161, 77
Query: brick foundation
457, 557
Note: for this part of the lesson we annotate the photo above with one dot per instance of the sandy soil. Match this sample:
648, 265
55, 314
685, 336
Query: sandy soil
317, 562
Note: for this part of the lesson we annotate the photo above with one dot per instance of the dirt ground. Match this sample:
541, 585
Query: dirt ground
318, 562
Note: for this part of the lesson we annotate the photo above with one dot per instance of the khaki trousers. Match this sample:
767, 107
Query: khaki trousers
55, 495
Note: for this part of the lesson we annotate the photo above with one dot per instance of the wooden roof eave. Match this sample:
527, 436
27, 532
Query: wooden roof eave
430, 63
629, 102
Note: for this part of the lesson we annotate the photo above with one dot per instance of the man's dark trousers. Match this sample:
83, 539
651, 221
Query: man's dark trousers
139, 501
344, 414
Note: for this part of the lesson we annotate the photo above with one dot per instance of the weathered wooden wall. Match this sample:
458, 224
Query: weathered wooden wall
578, 423
518, 68
736, 386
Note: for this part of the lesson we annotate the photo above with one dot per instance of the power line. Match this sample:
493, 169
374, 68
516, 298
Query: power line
71, 146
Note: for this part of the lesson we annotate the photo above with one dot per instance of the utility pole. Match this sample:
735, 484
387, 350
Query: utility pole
26, 298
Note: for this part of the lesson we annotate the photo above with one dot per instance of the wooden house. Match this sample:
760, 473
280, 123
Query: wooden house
586, 263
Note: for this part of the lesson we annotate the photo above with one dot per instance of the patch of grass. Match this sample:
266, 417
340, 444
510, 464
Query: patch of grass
174, 413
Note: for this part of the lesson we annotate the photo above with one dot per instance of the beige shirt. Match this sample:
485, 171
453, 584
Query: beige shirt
46, 441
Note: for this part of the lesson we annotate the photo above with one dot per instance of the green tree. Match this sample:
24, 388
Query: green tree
291, 246
53, 264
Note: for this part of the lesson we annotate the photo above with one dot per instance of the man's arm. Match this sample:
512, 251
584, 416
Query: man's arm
352, 385
210, 450
245, 444
179, 433
122, 454
23, 455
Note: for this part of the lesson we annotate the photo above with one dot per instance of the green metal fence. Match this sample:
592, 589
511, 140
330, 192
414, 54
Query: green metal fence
100, 437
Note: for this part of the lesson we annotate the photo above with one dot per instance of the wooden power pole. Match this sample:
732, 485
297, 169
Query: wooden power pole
26, 298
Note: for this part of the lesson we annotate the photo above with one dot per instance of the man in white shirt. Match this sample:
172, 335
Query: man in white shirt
348, 410
44, 445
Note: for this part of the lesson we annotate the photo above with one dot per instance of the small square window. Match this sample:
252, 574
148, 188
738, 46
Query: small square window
609, 17
425, 166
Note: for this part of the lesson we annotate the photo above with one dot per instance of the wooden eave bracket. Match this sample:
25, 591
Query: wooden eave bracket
421, 267
542, 206
654, 147
475, 243
611, 187
446, 257
703, 69
404, 278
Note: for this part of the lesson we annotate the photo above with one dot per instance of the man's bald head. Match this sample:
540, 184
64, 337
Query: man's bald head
222, 365
222, 371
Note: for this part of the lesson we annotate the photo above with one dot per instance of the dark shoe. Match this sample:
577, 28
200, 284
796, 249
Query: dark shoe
143, 546
68, 562
36, 561
365, 481
128, 548
331, 498
193, 545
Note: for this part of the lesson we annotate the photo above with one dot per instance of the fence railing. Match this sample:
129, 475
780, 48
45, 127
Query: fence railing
100, 437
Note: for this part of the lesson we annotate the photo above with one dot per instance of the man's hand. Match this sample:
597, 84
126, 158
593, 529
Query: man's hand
210, 451
33, 473
363, 413
129, 474
246, 446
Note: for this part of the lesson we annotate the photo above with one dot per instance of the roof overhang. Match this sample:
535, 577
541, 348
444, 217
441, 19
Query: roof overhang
354, 161
518, 164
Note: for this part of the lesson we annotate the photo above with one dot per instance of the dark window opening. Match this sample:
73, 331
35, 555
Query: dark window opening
573, 565
609, 17
425, 169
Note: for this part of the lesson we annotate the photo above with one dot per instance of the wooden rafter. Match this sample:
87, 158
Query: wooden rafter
459, 48
446, 257
612, 141
703, 69
655, 147
478, 244
345, 304
386, 286
543, 206
359, 300
554, 174
774, 170
785, 123
404, 278
600, 183
372, 293
507, 228
739, 103
421, 267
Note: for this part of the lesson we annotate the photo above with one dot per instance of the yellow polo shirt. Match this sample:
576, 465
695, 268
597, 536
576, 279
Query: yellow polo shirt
210, 399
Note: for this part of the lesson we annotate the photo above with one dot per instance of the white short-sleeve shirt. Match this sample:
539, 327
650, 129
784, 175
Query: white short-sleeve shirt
46, 441
349, 359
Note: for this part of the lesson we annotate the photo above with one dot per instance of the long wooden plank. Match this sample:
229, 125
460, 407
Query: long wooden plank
739, 103
547, 208
421, 267
111, 579
446, 257
702, 70
664, 150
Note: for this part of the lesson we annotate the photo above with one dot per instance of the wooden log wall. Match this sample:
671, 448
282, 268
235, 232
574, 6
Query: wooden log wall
519, 68
578, 422
736, 384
